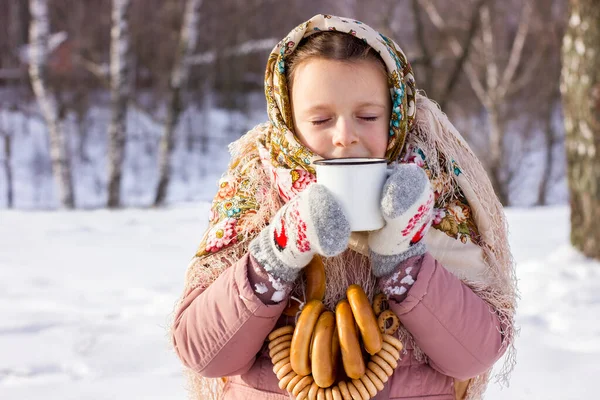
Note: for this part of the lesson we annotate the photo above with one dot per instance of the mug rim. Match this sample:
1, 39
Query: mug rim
350, 161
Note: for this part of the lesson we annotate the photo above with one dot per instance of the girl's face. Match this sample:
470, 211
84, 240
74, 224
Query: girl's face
341, 109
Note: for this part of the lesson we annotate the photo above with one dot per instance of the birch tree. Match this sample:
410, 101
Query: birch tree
119, 88
580, 87
6, 139
179, 76
38, 64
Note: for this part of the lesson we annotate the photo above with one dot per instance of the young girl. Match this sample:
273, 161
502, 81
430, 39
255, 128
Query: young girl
336, 88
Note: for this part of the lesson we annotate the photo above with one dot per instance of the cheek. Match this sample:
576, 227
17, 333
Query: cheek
315, 141
379, 142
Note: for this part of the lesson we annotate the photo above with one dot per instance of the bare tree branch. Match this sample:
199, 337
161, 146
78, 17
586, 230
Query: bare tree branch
517, 47
457, 49
526, 75
492, 76
101, 72
460, 61
426, 56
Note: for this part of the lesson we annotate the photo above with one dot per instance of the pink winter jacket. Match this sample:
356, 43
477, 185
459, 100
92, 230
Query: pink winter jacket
221, 331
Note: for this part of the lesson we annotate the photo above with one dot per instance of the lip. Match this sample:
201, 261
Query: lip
351, 161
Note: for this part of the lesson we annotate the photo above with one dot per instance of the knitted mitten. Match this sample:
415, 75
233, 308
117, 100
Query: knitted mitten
406, 205
313, 222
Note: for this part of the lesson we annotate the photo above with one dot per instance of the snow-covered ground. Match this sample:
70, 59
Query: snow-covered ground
85, 298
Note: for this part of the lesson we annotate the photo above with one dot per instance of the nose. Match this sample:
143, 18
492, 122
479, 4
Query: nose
345, 135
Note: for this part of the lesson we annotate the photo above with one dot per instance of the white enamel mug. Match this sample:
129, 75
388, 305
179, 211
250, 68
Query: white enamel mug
357, 184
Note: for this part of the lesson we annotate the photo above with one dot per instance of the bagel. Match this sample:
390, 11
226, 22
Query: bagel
303, 395
312, 392
283, 371
388, 322
362, 390
378, 371
293, 382
279, 340
284, 330
302, 383
328, 394
283, 382
280, 347
314, 273
396, 343
372, 376
391, 349
380, 303
352, 358
388, 358
321, 394
365, 318
322, 357
383, 364
282, 355
353, 391
368, 384
300, 346
336, 393
344, 390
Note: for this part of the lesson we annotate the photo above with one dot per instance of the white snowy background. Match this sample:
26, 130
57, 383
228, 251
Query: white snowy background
85, 296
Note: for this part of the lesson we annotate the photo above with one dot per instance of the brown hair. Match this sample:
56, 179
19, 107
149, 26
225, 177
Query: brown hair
330, 45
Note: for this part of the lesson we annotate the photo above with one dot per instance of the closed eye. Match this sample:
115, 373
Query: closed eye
320, 122
369, 118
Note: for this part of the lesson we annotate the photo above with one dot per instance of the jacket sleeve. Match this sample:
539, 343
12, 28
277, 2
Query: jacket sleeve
219, 331
459, 332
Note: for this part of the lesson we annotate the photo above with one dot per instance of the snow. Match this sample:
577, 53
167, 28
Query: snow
85, 298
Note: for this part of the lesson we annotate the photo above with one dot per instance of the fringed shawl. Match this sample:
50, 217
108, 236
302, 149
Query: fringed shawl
269, 166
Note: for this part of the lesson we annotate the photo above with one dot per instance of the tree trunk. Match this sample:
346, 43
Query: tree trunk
38, 37
580, 87
550, 140
83, 133
8, 170
426, 59
119, 87
496, 156
17, 29
179, 76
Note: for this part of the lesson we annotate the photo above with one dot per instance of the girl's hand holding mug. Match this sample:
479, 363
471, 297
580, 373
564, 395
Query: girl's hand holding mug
311, 223
407, 207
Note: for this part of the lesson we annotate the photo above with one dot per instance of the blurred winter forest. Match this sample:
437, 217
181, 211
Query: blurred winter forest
112, 103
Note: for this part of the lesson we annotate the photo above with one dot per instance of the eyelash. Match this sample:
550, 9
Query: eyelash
370, 119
